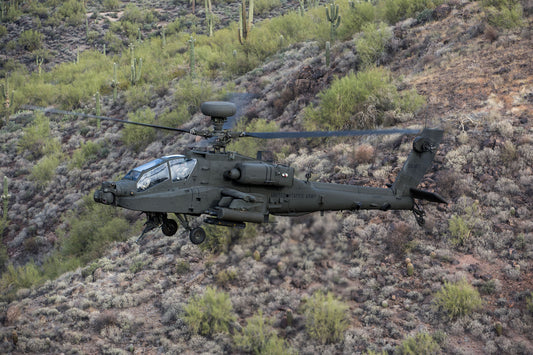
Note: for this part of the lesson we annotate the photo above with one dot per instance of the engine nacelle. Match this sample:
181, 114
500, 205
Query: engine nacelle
259, 173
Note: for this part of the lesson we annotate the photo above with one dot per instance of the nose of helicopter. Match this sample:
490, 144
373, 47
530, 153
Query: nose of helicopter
106, 194
110, 191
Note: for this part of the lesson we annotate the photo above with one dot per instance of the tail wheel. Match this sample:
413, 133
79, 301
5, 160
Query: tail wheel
169, 227
197, 235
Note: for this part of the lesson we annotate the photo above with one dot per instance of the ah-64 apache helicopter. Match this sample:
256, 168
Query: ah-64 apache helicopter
232, 189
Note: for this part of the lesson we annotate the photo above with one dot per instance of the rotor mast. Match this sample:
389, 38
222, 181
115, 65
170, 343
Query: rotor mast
219, 111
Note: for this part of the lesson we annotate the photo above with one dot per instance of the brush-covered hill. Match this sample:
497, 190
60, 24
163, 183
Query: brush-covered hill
75, 281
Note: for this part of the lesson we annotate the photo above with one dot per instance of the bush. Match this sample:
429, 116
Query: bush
461, 227
91, 230
36, 140
15, 278
361, 101
370, 45
72, 12
457, 299
191, 93
420, 344
397, 10
353, 20
504, 13
529, 303
111, 5
86, 153
31, 40
209, 314
44, 170
325, 318
219, 239
259, 337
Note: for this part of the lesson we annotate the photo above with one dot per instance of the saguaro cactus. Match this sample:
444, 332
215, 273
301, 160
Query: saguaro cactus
209, 17
136, 66
192, 58
332, 14
245, 25
114, 82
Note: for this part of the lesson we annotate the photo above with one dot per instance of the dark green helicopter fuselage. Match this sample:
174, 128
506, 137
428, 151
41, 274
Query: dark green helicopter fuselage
232, 187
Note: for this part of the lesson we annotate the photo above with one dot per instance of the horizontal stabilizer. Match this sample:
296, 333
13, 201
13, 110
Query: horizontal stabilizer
426, 195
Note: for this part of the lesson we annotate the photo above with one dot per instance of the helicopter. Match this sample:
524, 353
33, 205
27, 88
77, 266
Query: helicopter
231, 189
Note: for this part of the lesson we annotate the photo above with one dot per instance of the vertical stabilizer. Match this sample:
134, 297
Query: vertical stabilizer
419, 161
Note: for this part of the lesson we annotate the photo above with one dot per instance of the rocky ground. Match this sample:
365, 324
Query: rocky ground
479, 86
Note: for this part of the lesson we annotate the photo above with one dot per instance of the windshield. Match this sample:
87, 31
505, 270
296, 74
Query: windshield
181, 168
153, 177
135, 173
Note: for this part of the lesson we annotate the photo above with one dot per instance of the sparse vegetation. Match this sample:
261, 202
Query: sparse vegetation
325, 318
457, 299
259, 337
504, 13
134, 298
420, 344
370, 44
361, 101
210, 313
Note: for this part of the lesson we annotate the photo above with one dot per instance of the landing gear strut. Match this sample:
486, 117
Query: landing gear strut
196, 235
169, 227
419, 215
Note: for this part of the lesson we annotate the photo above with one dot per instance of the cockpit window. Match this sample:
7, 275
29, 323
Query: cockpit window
180, 169
153, 177
135, 173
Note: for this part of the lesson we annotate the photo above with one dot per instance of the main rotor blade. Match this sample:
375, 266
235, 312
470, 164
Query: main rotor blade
86, 115
321, 134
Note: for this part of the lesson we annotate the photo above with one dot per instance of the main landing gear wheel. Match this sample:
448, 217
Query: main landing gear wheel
169, 227
197, 235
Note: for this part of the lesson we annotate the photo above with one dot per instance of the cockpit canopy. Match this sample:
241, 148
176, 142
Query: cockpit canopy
175, 167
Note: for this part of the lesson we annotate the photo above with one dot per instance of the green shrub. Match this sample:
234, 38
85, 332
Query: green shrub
462, 227
326, 318
31, 40
370, 45
3, 31
396, 10
529, 303
259, 337
90, 231
209, 314
71, 11
15, 278
86, 153
262, 6
36, 140
190, 93
457, 299
360, 101
459, 230
504, 13
44, 170
111, 5
353, 20
420, 344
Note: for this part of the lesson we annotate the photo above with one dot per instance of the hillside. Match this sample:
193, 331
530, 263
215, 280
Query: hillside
477, 81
